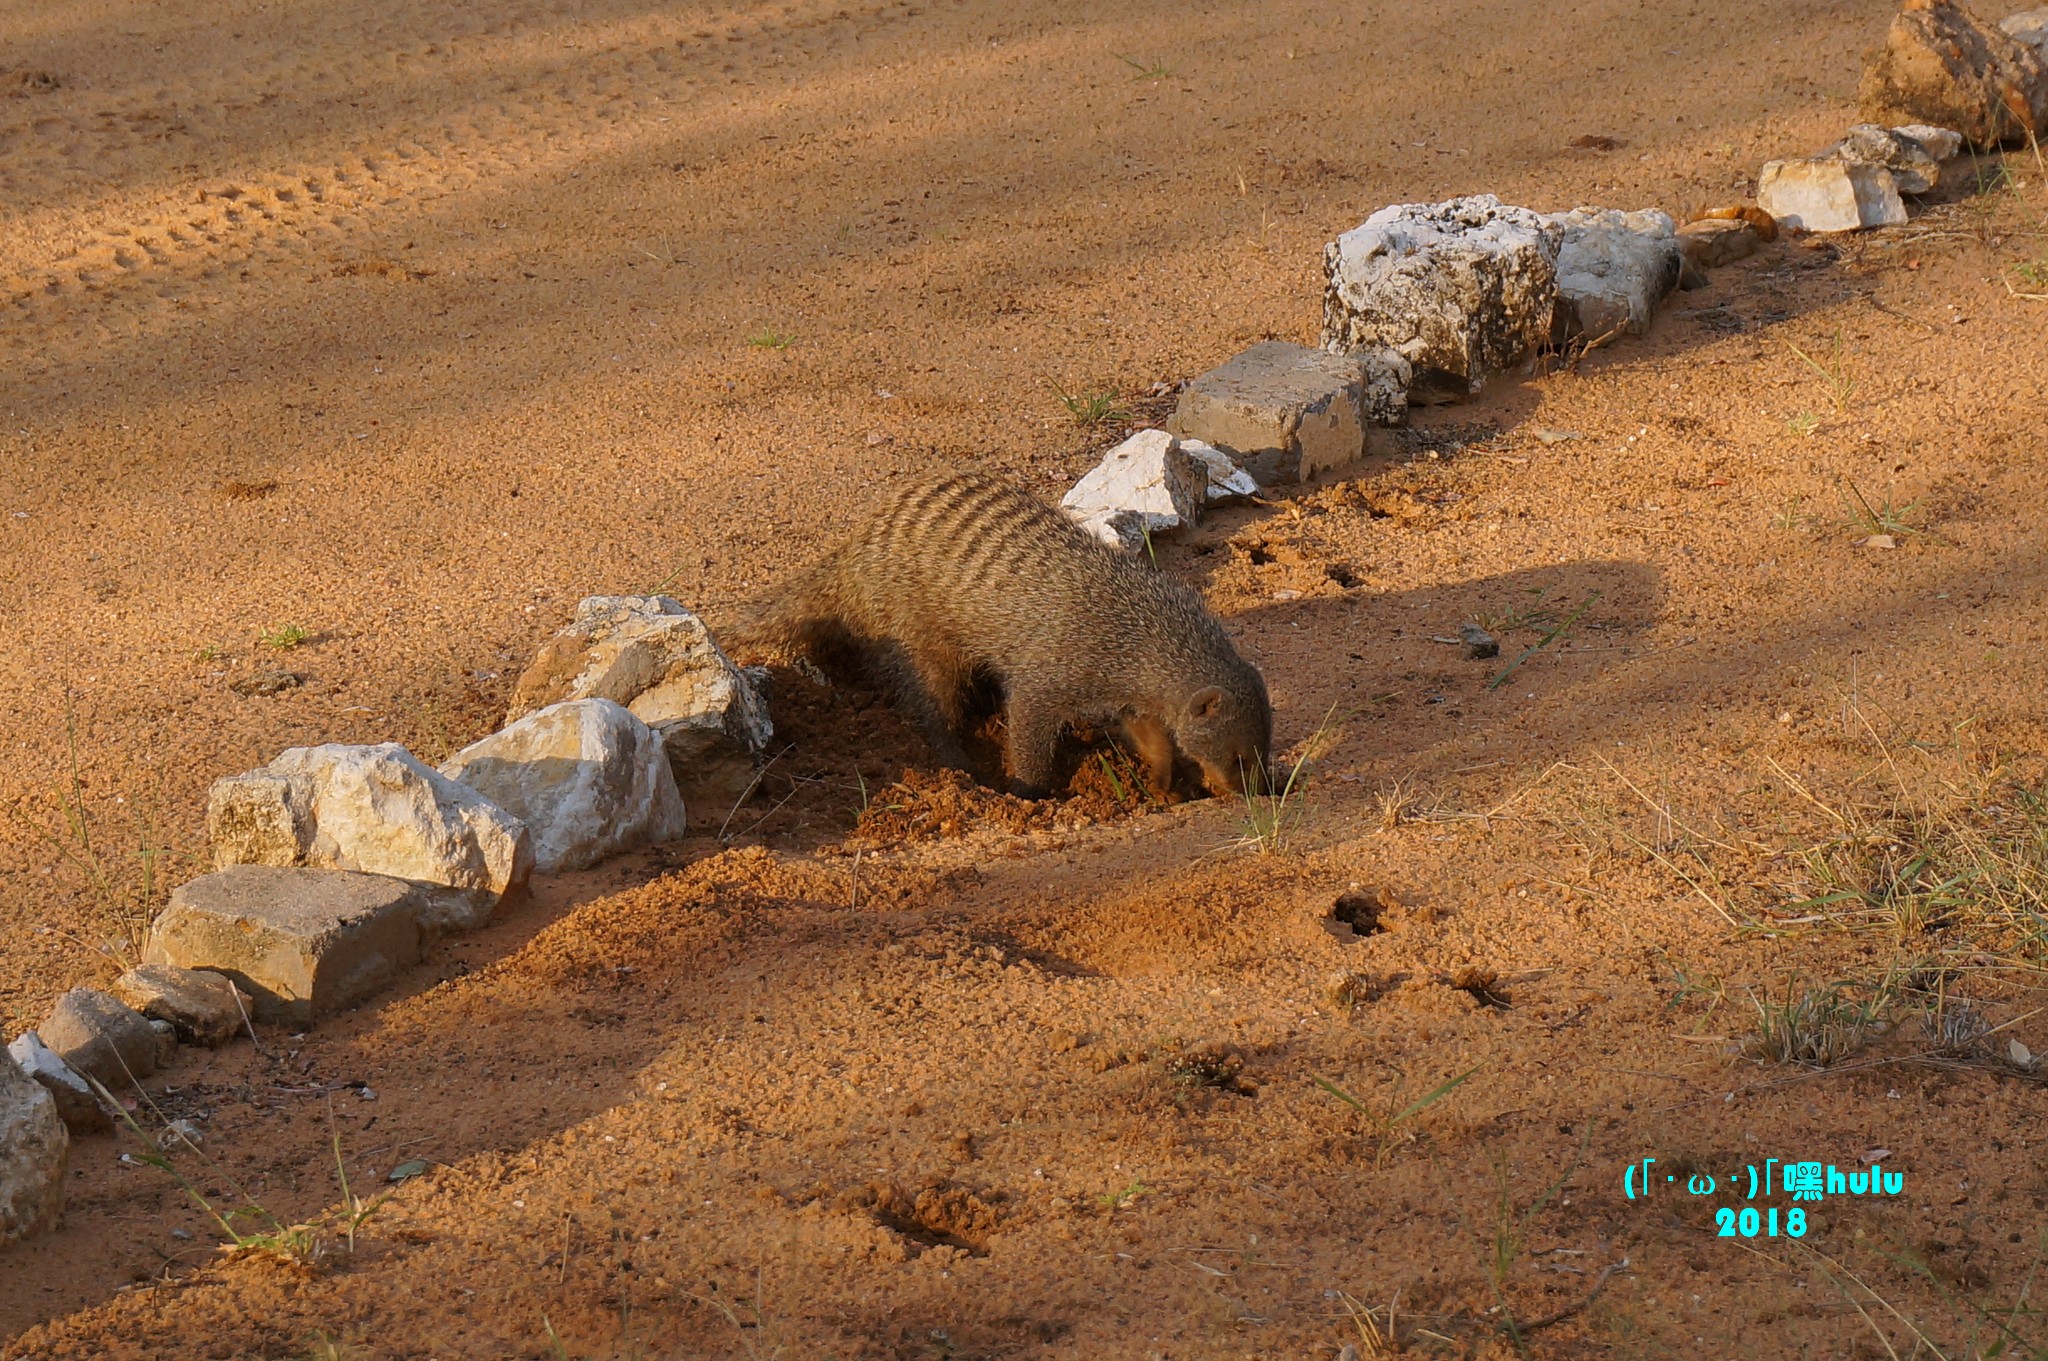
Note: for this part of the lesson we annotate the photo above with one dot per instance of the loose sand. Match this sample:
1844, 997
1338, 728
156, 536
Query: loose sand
410, 324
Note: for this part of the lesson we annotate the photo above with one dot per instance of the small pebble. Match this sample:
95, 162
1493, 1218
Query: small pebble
1478, 642
1879, 541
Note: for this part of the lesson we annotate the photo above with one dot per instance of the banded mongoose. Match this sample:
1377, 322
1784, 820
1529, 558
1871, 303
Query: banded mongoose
963, 580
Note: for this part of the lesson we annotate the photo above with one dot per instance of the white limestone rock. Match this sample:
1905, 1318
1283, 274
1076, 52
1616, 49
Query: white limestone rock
378, 810
657, 658
1147, 485
1462, 290
78, 1105
1828, 194
33, 1150
1613, 271
587, 778
1227, 482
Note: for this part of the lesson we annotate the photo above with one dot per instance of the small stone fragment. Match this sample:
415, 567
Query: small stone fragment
302, 943
267, 683
1939, 65
1824, 194
1285, 412
1462, 290
179, 1134
658, 659
1613, 271
78, 1105
1713, 242
1227, 482
1478, 642
199, 1005
1145, 486
1878, 541
103, 1038
378, 810
33, 1150
587, 778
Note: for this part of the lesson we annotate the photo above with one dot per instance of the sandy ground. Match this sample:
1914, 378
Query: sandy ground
409, 325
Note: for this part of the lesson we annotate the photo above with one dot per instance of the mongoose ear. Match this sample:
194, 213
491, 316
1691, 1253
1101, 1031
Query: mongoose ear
1206, 701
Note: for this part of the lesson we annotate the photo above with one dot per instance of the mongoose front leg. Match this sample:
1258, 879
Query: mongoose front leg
1034, 722
1153, 746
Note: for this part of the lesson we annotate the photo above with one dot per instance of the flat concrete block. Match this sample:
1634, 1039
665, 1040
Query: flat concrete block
302, 943
1284, 412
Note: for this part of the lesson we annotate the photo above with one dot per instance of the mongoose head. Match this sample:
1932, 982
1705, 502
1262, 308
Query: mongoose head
1228, 731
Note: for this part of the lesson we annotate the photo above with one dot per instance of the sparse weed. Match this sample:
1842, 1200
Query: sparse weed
1156, 70
1091, 409
1690, 985
1534, 615
1790, 516
1833, 371
1818, 1025
1397, 802
212, 652
305, 1244
284, 637
1509, 1231
1127, 782
1803, 424
1883, 518
1112, 1201
771, 339
1384, 1119
126, 898
1550, 635
2033, 279
1270, 815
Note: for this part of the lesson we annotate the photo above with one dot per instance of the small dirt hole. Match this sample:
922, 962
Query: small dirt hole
1343, 575
1360, 912
1484, 985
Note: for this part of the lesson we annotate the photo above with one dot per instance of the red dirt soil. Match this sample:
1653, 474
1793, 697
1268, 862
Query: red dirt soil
410, 324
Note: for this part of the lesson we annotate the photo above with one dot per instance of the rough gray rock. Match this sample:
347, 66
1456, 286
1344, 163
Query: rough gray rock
658, 659
198, 1004
1827, 194
1914, 166
1286, 412
1462, 290
1144, 486
301, 943
587, 778
1940, 65
1944, 144
78, 1105
1715, 241
377, 810
104, 1039
33, 1150
1613, 271
2029, 26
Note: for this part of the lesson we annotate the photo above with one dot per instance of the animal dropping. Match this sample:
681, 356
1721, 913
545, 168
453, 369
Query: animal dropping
962, 582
